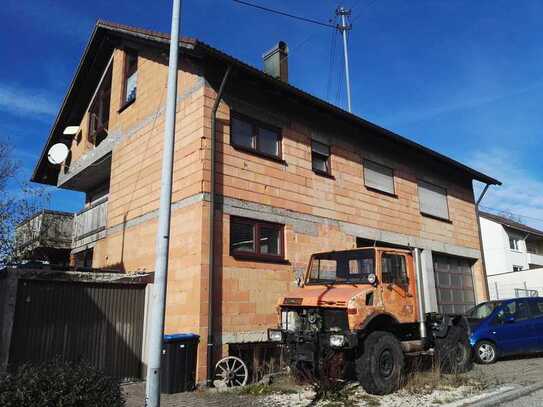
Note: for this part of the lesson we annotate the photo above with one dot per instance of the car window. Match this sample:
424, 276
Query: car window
516, 309
536, 308
523, 311
483, 310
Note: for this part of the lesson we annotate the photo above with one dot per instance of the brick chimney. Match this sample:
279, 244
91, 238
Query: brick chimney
276, 61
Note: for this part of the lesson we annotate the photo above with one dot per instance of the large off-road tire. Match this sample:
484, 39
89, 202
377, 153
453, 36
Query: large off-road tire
380, 367
485, 352
453, 352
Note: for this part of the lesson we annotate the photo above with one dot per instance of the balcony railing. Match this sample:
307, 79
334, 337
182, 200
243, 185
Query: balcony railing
91, 221
535, 259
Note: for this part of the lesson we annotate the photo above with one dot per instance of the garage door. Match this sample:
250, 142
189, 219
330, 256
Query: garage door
454, 283
96, 322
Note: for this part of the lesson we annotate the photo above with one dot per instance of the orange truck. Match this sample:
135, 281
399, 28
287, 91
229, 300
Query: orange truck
362, 311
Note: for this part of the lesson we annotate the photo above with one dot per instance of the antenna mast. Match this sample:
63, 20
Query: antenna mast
343, 27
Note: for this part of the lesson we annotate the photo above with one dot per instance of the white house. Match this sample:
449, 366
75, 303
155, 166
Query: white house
513, 257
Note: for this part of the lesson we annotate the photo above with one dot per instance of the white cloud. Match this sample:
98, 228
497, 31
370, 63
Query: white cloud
26, 102
521, 193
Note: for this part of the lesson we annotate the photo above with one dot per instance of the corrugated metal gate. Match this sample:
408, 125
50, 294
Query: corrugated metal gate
454, 283
98, 322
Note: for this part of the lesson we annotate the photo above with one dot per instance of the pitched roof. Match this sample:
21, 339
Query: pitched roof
511, 223
104, 29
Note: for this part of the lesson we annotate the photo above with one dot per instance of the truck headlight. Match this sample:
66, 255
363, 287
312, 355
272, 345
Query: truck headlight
275, 335
337, 341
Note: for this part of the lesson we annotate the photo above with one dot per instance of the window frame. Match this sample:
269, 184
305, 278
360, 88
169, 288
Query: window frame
399, 283
102, 103
431, 215
256, 254
372, 188
328, 160
255, 125
127, 53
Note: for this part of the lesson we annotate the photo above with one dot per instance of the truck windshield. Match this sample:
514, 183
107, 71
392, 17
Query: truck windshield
342, 267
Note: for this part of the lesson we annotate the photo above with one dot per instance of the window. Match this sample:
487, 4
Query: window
341, 267
433, 200
252, 135
394, 269
514, 242
130, 77
517, 268
252, 238
320, 158
536, 308
379, 177
99, 111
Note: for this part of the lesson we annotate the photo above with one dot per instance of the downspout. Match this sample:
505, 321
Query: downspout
483, 261
211, 260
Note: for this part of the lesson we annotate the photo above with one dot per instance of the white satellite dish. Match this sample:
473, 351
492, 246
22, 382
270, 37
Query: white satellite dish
71, 130
57, 153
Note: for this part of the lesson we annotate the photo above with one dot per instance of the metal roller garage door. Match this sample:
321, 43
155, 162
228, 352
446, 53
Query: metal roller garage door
454, 283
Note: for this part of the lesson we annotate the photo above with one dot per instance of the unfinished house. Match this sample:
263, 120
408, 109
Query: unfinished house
293, 175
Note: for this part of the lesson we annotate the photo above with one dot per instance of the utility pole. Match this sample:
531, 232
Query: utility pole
343, 13
158, 293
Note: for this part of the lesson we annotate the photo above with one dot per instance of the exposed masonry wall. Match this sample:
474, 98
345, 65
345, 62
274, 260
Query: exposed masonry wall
318, 213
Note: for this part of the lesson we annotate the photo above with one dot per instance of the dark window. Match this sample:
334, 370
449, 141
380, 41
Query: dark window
320, 158
379, 177
130, 76
253, 238
252, 135
394, 269
99, 111
514, 242
517, 268
536, 308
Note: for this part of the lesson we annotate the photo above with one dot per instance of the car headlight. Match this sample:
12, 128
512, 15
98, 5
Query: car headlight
275, 335
337, 341
290, 321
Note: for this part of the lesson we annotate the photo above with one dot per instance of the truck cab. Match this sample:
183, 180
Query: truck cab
363, 308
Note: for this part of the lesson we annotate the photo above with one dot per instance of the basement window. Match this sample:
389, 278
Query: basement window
254, 136
255, 239
130, 77
320, 158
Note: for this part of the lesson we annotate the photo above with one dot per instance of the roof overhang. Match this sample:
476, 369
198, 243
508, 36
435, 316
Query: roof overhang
100, 47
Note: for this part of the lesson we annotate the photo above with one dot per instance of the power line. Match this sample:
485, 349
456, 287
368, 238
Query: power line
283, 13
488, 208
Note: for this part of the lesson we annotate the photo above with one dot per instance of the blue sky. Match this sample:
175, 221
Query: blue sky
462, 77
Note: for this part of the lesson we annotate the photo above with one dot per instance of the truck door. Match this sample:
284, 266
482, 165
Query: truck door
398, 285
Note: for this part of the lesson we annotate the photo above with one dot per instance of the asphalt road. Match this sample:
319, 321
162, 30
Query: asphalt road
532, 400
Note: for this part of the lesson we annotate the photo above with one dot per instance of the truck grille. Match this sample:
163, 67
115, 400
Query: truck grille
321, 319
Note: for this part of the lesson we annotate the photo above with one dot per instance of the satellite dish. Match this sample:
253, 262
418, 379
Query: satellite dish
57, 153
71, 130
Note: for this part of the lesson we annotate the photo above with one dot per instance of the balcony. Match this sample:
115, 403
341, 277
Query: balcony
90, 223
535, 259
45, 236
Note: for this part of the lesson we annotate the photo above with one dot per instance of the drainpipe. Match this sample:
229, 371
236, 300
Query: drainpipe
211, 261
420, 294
483, 261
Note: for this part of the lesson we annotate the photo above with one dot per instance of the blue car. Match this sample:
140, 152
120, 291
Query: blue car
506, 327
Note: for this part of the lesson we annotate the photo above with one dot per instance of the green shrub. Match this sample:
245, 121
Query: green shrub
59, 384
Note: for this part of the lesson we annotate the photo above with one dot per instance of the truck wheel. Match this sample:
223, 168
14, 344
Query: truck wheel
454, 351
380, 367
485, 352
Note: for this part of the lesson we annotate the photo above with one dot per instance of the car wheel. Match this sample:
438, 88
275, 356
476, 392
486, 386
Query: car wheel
380, 367
485, 352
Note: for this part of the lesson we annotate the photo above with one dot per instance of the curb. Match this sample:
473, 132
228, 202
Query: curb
509, 395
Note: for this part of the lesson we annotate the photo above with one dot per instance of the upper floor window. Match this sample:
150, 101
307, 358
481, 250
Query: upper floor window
320, 158
253, 135
130, 77
99, 111
514, 242
379, 177
256, 239
433, 200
